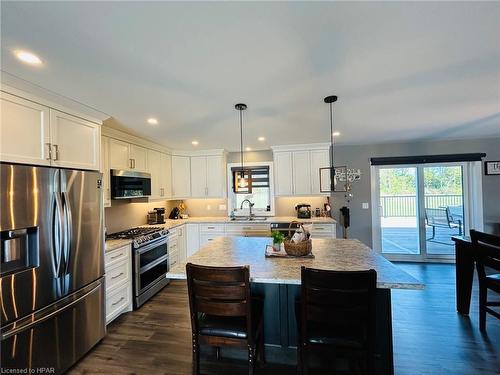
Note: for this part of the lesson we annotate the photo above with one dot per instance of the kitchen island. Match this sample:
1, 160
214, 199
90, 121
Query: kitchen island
278, 280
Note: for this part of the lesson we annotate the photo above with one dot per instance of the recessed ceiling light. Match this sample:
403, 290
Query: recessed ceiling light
248, 149
336, 134
194, 143
28, 57
261, 139
152, 121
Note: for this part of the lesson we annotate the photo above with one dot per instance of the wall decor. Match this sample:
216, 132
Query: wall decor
492, 167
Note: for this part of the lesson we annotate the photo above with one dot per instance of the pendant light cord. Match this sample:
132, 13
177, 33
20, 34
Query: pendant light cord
241, 138
331, 134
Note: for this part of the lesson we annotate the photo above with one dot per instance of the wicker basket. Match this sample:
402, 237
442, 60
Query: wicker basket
299, 249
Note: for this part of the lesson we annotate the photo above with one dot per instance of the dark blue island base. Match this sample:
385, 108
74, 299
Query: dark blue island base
280, 330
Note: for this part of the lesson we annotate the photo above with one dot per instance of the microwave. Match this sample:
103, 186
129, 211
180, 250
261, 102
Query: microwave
128, 184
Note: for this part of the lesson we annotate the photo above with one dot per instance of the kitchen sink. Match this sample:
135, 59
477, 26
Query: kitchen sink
248, 219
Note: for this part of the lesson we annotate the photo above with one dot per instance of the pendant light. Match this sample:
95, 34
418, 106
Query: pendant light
329, 172
242, 177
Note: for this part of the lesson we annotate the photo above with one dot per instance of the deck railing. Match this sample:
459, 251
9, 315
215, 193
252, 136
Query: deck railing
406, 205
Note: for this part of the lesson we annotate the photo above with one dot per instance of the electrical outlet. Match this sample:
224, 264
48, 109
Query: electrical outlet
365, 205
222, 207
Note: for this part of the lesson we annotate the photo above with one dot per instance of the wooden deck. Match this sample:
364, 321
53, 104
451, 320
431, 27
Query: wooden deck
429, 336
404, 240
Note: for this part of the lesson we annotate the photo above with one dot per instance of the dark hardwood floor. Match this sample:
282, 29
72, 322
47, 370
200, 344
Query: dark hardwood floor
429, 336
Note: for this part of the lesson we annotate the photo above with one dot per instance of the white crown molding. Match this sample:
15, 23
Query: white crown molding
52, 100
301, 147
212, 152
130, 138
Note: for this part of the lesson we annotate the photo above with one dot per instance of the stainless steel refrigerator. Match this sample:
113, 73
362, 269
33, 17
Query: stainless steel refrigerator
52, 266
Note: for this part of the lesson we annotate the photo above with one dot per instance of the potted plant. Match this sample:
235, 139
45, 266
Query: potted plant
278, 238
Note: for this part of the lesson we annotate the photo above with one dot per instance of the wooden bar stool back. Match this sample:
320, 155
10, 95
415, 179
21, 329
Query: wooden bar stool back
337, 312
223, 312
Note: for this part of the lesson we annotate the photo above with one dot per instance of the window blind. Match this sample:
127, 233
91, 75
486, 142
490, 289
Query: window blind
423, 159
260, 175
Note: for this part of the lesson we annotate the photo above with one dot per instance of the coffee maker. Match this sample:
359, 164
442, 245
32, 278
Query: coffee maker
157, 216
303, 210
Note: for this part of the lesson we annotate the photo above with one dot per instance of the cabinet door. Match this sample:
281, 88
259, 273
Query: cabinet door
154, 167
215, 176
198, 176
192, 238
283, 173
166, 175
319, 159
119, 154
106, 182
75, 142
139, 156
181, 177
24, 129
301, 173
181, 242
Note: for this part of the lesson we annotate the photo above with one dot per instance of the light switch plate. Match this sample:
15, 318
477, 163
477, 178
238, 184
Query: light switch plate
365, 205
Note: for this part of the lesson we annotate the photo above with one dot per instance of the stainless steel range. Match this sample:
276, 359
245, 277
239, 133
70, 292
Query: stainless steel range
150, 260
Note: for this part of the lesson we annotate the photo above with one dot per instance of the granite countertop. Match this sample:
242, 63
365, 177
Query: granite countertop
110, 245
331, 254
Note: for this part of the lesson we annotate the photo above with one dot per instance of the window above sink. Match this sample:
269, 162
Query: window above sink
262, 195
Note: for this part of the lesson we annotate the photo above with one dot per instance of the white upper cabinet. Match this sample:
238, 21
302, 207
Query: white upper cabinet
319, 159
207, 176
198, 176
24, 131
216, 176
75, 142
33, 133
119, 154
106, 188
283, 175
139, 157
301, 173
296, 169
155, 169
181, 177
127, 156
166, 175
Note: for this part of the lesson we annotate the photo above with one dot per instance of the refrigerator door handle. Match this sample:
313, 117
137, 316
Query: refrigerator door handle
59, 230
68, 233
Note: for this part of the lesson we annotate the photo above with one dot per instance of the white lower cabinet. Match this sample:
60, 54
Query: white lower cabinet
192, 239
248, 230
324, 231
118, 268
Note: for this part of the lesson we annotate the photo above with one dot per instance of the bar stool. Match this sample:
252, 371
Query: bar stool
487, 254
337, 313
223, 312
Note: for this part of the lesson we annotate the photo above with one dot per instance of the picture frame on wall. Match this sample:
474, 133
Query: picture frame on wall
492, 167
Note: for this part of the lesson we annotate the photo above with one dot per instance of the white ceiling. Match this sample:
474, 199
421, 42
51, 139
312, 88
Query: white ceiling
402, 71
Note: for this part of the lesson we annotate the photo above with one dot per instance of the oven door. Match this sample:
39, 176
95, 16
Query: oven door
151, 265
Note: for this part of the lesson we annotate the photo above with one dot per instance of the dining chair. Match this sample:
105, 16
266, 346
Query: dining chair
223, 312
487, 255
337, 312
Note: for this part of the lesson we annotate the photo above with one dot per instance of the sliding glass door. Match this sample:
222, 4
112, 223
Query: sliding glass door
417, 209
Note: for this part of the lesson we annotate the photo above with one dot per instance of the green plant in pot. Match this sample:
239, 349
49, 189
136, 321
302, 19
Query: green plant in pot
278, 238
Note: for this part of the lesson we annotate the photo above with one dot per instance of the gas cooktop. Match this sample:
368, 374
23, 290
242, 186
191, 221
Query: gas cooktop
140, 235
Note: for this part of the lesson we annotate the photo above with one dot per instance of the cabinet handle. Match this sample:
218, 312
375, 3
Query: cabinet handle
117, 302
56, 148
133, 161
117, 276
247, 228
130, 163
50, 151
117, 256
210, 227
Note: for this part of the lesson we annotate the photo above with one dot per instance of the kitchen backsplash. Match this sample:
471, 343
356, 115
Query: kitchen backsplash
124, 215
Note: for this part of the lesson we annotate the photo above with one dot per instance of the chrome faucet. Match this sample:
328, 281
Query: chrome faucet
250, 205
